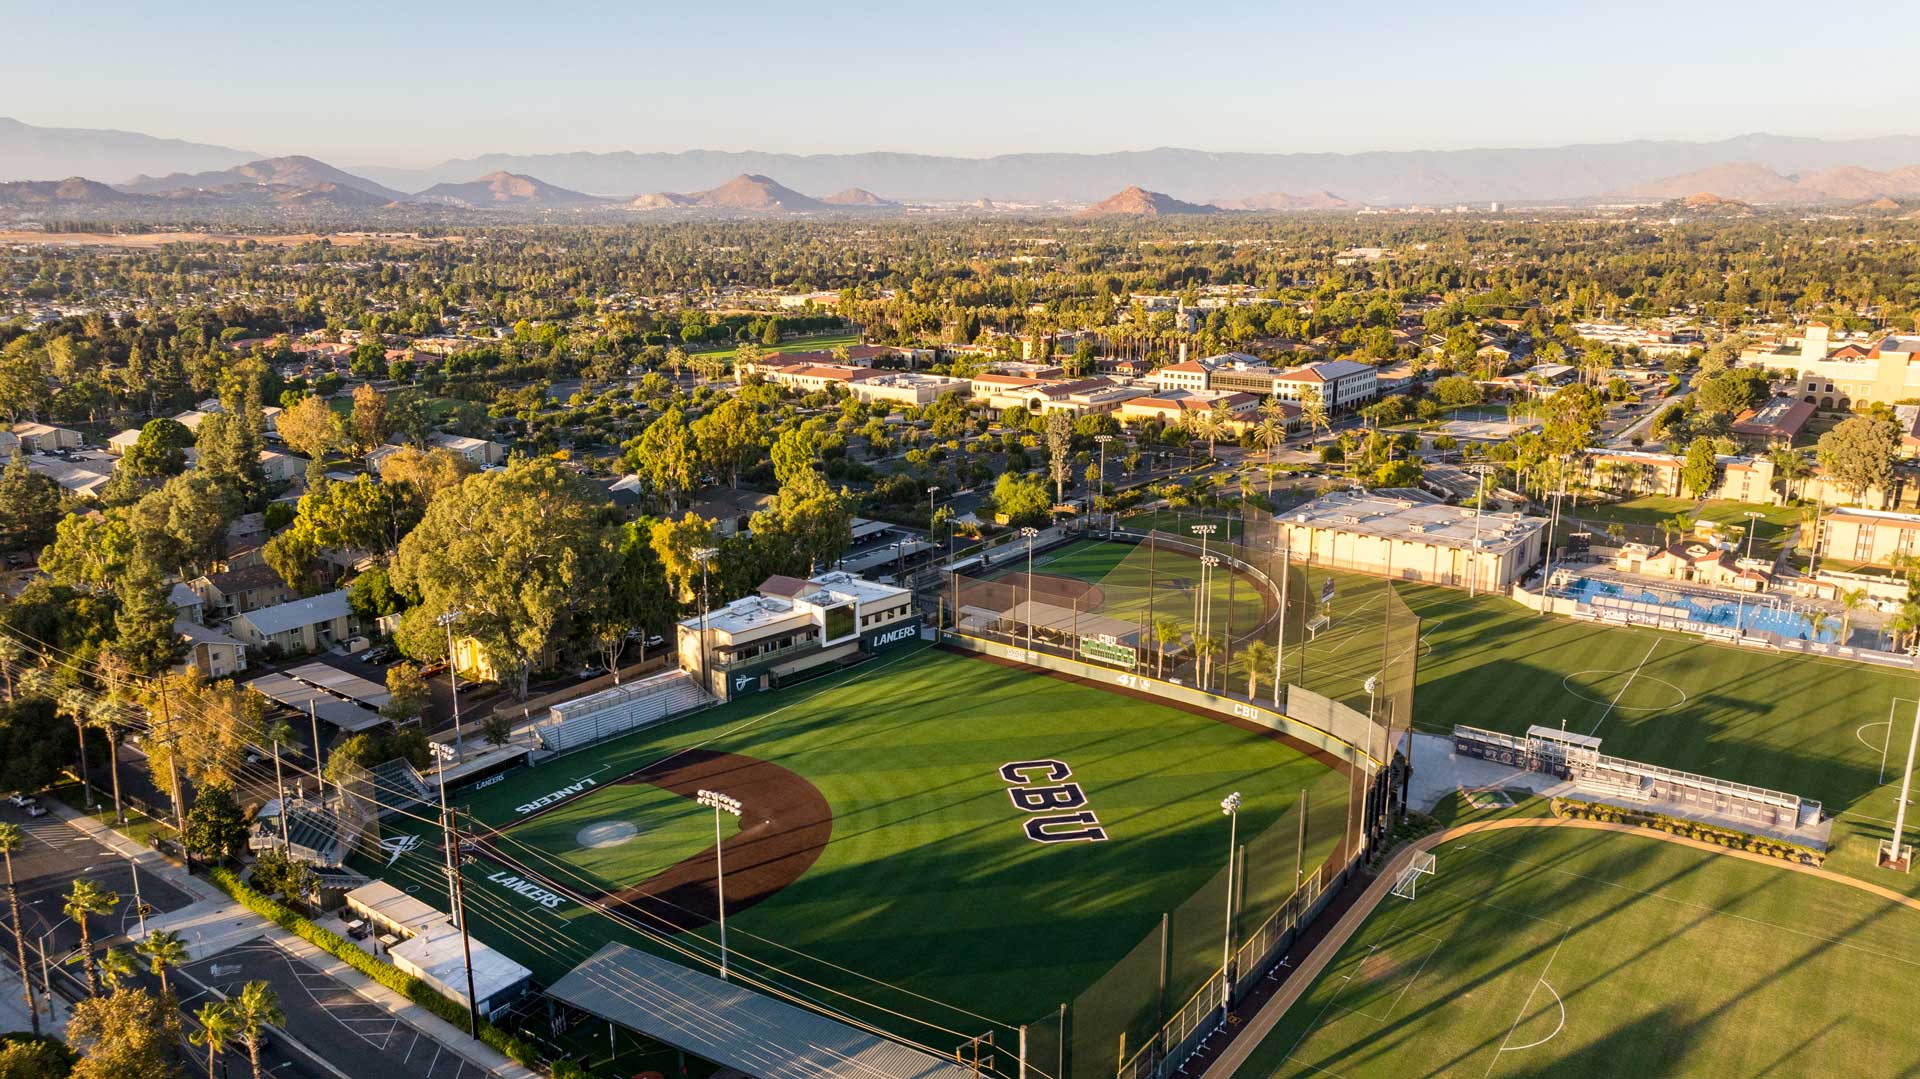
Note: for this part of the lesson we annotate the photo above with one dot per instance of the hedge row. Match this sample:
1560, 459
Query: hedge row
1575, 809
513, 1047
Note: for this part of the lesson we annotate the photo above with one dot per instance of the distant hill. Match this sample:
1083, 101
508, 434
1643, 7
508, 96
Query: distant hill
46, 153
1280, 200
296, 172
1756, 184
73, 191
860, 198
1136, 201
746, 193
507, 189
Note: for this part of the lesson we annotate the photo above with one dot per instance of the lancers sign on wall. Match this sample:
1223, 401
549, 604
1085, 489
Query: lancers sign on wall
897, 634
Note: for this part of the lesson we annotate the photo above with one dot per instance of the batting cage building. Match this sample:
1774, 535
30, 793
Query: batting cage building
793, 626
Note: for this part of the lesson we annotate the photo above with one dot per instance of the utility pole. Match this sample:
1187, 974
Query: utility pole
319, 773
447, 619
933, 555
460, 918
703, 555
721, 804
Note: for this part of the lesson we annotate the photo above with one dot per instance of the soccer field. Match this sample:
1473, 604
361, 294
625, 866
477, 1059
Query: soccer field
924, 900
1564, 954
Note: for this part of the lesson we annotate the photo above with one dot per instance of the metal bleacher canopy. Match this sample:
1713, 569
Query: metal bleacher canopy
300, 696
733, 1026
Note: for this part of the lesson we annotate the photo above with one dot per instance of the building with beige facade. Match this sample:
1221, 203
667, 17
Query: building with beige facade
1840, 379
1414, 539
1868, 537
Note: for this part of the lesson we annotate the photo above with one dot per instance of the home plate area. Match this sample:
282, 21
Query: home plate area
1419, 978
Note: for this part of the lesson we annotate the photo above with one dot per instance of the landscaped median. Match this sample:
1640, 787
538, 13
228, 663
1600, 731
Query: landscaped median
1575, 809
512, 1046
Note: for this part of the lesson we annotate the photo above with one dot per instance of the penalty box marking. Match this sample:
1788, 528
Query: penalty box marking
1394, 1004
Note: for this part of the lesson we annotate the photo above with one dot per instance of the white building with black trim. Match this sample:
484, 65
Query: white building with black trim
791, 627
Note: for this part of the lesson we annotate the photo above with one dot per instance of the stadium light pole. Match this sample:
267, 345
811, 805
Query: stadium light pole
933, 558
1208, 563
703, 555
1100, 488
1473, 557
1230, 805
721, 804
1030, 533
1752, 518
447, 619
1896, 853
1203, 531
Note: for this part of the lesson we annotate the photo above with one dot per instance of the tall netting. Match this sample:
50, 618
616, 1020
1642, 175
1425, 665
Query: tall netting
1219, 614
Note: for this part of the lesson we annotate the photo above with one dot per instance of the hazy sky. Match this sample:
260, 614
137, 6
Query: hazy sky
406, 83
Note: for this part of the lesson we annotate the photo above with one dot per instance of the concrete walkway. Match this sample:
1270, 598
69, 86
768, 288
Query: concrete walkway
1262, 1023
214, 923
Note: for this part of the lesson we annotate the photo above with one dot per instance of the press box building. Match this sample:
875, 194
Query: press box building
790, 627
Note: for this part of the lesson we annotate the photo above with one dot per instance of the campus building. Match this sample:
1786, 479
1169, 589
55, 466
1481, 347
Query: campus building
1841, 379
1173, 406
907, 388
1342, 384
1869, 537
792, 627
1412, 539
425, 943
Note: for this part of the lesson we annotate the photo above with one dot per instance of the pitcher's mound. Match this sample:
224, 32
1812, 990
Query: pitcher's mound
606, 833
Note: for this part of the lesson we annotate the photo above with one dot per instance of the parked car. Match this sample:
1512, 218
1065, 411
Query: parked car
35, 809
21, 798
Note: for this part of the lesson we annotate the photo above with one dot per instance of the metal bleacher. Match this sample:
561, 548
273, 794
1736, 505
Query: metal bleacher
397, 786
582, 722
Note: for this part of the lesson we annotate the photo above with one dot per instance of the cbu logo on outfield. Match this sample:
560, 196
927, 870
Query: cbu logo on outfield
1053, 797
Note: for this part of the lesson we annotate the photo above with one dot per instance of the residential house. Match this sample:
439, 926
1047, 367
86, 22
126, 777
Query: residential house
478, 451
235, 590
209, 651
302, 625
45, 438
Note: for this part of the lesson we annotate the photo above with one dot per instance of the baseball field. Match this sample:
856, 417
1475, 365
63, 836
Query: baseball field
887, 861
1565, 954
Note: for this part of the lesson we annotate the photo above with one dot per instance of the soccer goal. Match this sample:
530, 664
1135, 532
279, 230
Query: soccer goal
1408, 882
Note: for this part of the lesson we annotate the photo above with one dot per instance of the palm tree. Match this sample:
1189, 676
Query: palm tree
117, 966
109, 718
76, 704
1817, 623
1204, 649
1904, 623
1166, 631
1680, 524
1790, 465
10, 653
254, 1010
1313, 413
84, 901
1255, 658
164, 949
274, 732
10, 837
1851, 599
218, 1027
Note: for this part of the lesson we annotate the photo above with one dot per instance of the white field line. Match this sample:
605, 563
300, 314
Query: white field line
1624, 686
1528, 1003
1557, 1027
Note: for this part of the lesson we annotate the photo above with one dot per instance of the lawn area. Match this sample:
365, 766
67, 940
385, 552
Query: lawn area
1821, 728
1648, 512
929, 884
1564, 954
822, 343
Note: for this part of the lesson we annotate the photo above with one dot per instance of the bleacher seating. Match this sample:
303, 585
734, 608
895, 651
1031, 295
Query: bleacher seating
397, 786
582, 722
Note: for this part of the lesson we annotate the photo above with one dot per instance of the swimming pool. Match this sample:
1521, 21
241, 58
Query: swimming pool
1764, 614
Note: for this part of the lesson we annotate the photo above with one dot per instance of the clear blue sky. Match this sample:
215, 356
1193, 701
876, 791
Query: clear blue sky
406, 83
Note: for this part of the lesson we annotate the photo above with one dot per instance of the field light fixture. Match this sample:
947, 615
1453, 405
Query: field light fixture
721, 803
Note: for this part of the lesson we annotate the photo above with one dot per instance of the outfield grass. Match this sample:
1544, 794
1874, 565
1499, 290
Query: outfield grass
929, 883
822, 343
1564, 954
1125, 573
1813, 726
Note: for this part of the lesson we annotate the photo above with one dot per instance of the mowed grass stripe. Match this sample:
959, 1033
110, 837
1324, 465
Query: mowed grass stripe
1669, 961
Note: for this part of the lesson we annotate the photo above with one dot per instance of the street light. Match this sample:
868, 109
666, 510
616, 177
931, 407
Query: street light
1030, 533
446, 619
721, 804
1230, 805
702, 555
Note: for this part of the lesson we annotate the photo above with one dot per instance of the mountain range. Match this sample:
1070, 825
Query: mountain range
1759, 168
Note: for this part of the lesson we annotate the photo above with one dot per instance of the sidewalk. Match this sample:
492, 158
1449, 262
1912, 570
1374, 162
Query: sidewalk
214, 923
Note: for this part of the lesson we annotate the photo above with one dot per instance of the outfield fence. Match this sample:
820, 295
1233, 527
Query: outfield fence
1327, 661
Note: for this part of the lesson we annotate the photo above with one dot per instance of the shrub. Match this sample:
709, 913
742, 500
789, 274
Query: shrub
1691, 829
